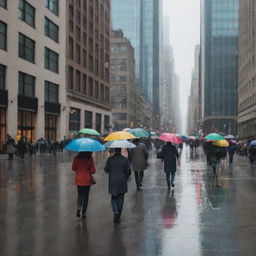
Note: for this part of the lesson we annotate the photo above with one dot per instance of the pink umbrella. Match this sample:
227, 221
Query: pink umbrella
168, 137
234, 141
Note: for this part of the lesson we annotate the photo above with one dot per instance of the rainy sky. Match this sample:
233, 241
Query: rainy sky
184, 18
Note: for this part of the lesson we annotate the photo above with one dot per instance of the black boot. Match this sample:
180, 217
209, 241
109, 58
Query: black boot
116, 218
78, 213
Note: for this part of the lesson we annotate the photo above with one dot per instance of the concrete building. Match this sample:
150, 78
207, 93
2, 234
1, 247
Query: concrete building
247, 71
194, 106
32, 68
219, 65
123, 84
88, 57
140, 22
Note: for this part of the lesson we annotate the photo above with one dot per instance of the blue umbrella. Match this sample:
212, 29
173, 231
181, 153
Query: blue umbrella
85, 145
253, 143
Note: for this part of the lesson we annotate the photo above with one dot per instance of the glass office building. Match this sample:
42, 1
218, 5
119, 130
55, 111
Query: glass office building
219, 63
139, 20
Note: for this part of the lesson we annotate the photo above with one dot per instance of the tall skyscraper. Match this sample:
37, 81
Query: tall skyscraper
247, 71
140, 22
219, 60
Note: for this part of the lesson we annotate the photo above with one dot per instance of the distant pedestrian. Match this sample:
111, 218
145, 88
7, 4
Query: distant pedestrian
231, 151
22, 146
83, 165
10, 147
170, 156
119, 170
139, 157
216, 154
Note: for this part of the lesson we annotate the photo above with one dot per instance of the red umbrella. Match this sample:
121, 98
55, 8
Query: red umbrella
168, 137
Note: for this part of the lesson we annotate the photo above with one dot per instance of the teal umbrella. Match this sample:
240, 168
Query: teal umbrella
85, 145
89, 132
139, 132
214, 136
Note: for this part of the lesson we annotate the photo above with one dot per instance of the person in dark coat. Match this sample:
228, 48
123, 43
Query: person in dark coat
119, 170
170, 156
139, 158
10, 147
231, 151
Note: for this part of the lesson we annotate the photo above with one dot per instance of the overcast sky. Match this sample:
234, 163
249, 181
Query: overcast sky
184, 17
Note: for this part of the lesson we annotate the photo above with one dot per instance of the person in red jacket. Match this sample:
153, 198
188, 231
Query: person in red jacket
83, 165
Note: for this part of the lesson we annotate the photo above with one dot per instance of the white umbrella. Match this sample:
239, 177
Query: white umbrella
119, 144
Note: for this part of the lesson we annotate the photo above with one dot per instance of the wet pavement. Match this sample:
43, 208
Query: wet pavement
198, 217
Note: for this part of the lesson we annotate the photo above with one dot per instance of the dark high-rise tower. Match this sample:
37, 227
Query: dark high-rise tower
140, 22
219, 61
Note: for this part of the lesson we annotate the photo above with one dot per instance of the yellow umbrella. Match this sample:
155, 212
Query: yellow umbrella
221, 143
119, 136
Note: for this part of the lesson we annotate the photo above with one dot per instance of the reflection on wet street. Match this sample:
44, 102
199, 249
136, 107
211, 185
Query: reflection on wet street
199, 217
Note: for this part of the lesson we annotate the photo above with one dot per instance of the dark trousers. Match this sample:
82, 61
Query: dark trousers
231, 158
82, 199
117, 203
139, 178
170, 178
10, 156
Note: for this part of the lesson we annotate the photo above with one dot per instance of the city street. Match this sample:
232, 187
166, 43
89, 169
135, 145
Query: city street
199, 217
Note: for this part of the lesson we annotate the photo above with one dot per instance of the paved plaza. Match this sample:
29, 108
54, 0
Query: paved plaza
198, 217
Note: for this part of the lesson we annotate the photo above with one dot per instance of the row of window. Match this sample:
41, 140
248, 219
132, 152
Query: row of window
27, 49
79, 82
27, 84
75, 120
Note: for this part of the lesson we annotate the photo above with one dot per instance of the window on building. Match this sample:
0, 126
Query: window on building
84, 59
102, 92
51, 92
78, 33
98, 122
78, 17
90, 64
119, 116
52, 5
78, 54
74, 119
78, 81
96, 90
26, 48
107, 99
87, 119
90, 87
106, 122
26, 85
84, 85
71, 48
51, 60
3, 3
51, 124
2, 76
70, 78
27, 12
51, 29
26, 124
3, 36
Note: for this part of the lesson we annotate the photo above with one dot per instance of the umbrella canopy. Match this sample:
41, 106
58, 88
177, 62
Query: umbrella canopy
85, 145
119, 136
233, 141
168, 137
253, 143
119, 144
139, 132
89, 132
221, 143
153, 133
126, 129
214, 136
192, 137
230, 137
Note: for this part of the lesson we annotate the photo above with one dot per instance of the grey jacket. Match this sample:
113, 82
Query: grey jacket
139, 157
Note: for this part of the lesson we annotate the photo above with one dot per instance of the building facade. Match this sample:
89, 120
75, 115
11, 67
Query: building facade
194, 106
219, 63
140, 22
32, 68
123, 84
88, 57
247, 71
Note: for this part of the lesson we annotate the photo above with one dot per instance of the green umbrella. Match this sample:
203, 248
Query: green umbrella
214, 136
89, 132
139, 132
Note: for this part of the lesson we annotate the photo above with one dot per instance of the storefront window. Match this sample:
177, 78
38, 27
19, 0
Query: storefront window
51, 127
74, 119
26, 124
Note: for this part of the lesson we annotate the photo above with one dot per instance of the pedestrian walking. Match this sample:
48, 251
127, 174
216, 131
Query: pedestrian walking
22, 146
139, 157
231, 151
83, 165
119, 170
170, 155
10, 147
216, 154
